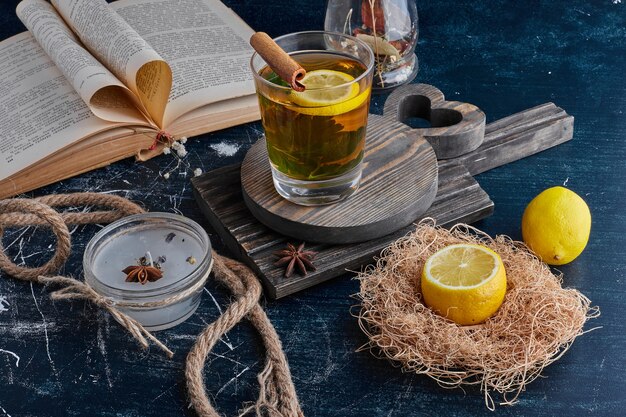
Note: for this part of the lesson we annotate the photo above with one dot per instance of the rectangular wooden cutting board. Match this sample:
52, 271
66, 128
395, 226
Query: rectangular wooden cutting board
459, 199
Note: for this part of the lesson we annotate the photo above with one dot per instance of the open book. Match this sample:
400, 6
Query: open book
91, 83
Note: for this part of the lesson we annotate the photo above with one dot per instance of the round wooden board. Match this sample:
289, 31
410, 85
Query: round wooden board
399, 184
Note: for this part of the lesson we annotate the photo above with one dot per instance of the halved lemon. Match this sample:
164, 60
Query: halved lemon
327, 94
465, 283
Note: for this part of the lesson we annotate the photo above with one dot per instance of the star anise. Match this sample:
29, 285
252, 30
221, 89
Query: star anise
142, 273
295, 258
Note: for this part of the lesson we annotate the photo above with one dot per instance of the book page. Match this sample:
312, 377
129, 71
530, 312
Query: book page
118, 46
205, 44
40, 112
107, 97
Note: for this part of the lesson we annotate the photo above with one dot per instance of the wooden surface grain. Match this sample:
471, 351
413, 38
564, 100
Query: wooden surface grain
398, 184
456, 128
459, 198
502, 56
248, 232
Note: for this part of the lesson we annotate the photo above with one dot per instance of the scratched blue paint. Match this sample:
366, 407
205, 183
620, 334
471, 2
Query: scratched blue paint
503, 56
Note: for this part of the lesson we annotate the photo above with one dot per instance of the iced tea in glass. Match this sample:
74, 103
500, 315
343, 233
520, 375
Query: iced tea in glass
316, 138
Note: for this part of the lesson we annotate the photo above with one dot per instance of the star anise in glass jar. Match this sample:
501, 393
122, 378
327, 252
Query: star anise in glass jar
295, 258
142, 273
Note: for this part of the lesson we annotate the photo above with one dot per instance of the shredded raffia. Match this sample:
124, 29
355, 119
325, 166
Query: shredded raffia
536, 324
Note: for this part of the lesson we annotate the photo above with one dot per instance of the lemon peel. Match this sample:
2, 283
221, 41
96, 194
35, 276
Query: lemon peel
328, 93
556, 225
465, 283
334, 109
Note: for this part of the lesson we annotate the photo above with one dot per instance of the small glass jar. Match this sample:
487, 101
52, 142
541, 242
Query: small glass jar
389, 27
176, 245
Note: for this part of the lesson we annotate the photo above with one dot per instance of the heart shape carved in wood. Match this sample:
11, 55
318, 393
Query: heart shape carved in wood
456, 128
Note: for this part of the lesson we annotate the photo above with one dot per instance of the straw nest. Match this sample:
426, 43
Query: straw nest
536, 324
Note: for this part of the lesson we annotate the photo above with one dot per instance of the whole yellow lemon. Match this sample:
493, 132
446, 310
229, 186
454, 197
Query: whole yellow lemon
556, 225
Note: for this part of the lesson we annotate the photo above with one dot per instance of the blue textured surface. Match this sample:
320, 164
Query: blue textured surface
503, 56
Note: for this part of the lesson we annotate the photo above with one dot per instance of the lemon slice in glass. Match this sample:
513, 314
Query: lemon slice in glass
328, 93
465, 283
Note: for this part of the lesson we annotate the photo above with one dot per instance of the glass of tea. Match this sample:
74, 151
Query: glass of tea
316, 138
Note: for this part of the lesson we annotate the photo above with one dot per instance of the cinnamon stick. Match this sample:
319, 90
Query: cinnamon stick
278, 60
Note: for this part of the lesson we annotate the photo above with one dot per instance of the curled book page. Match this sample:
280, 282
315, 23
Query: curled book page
106, 96
40, 112
205, 44
81, 89
118, 46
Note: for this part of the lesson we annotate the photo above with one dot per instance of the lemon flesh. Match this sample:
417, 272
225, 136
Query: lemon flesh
465, 283
327, 93
556, 225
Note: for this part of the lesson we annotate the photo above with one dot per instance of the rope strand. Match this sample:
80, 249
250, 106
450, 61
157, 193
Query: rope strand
277, 394
27, 212
76, 290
